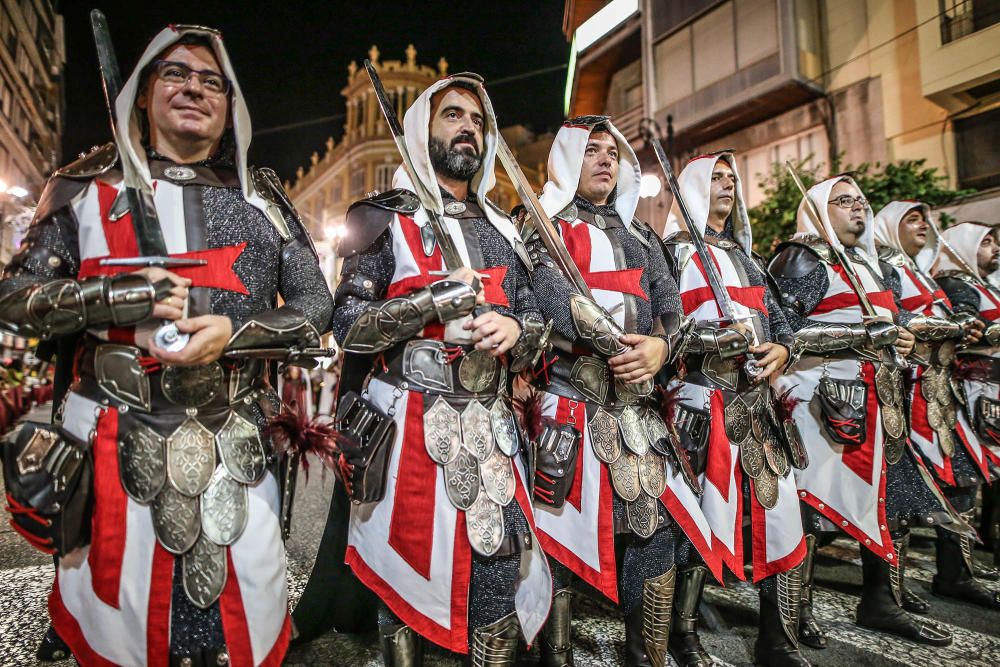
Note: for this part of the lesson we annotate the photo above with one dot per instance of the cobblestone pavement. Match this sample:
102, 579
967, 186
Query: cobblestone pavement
729, 617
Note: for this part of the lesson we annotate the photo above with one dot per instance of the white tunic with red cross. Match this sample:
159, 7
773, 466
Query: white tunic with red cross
844, 484
923, 296
111, 600
989, 310
777, 538
411, 548
580, 534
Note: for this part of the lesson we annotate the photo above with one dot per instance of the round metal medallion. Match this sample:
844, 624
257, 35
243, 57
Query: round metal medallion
179, 173
192, 386
477, 371
455, 207
600, 221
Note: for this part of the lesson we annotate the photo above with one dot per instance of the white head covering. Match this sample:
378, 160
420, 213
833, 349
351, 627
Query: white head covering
819, 194
695, 183
416, 128
887, 223
964, 238
566, 161
129, 128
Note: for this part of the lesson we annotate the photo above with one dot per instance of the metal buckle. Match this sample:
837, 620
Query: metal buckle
423, 365
589, 377
120, 375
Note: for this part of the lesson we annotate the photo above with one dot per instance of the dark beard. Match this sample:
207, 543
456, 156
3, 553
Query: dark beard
452, 163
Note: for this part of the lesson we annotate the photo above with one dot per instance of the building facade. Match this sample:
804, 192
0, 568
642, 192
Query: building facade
32, 55
365, 158
813, 80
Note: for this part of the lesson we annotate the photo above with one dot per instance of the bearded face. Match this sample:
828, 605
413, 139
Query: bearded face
988, 254
456, 133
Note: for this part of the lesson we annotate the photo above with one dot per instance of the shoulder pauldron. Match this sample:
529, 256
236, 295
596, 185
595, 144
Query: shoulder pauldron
892, 256
99, 160
368, 218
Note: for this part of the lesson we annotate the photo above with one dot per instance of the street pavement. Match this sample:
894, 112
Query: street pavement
729, 616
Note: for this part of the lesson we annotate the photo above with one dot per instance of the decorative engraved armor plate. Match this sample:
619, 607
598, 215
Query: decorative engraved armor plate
142, 462
176, 520
424, 366
752, 458
190, 457
223, 508
653, 473
775, 457
633, 431
477, 370
120, 375
32, 457
935, 416
192, 386
442, 432
656, 430
642, 515
766, 489
737, 416
625, 476
241, 449
504, 428
461, 479
893, 451
590, 377
886, 379
497, 474
947, 441
477, 430
604, 436
929, 384
893, 421
204, 572
484, 525
633, 392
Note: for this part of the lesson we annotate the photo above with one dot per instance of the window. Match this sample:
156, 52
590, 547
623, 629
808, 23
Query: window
7, 33
964, 17
755, 164
358, 180
975, 144
6, 97
383, 177
337, 190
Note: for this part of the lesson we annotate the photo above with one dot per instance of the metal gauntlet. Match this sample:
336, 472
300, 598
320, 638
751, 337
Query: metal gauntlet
727, 343
992, 334
63, 307
830, 337
595, 326
385, 323
280, 328
676, 329
928, 327
534, 340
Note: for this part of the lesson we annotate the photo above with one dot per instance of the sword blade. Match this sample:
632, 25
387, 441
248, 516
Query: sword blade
165, 262
449, 252
546, 230
148, 234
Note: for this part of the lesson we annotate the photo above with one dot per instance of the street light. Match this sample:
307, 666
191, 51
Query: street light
650, 186
17, 191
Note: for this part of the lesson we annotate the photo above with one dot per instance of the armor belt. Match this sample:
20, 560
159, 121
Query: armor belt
435, 367
988, 420
978, 367
118, 371
714, 372
582, 378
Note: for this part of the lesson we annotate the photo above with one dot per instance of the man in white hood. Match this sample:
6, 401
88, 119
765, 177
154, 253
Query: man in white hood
962, 276
612, 508
447, 540
746, 444
185, 563
862, 477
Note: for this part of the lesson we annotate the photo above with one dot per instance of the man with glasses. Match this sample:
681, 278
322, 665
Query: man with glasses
863, 477
185, 563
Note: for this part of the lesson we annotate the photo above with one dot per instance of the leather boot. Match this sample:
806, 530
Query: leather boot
810, 632
778, 628
684, 645
555, 640
401, 646
911, 601
881, 605
52, 648
955, 567
495, 645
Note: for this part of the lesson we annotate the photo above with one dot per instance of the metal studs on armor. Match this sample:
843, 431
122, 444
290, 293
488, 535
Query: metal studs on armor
599, 221
179, 173
455, 208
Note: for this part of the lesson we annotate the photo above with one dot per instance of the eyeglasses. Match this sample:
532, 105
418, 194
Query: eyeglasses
179, 74
848, 202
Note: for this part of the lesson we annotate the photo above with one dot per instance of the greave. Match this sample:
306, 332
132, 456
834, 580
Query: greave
908, 600
778, 631
495, 645
810, 632
555, 640
955, 575
401, 646
685, 646
657, 605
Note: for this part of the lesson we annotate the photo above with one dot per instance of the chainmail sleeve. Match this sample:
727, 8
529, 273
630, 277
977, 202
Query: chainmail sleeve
963, 297
801, 295
303, 287
664, 295
364, 278
551, 288
780, 329
48, 252
892, 281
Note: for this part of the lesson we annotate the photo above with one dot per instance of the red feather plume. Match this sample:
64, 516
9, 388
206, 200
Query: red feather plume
528, 408
785, 404
294, 433
668, 400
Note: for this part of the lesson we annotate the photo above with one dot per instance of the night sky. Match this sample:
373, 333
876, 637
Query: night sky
291, 59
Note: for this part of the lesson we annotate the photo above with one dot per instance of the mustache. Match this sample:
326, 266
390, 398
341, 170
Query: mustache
467, 139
